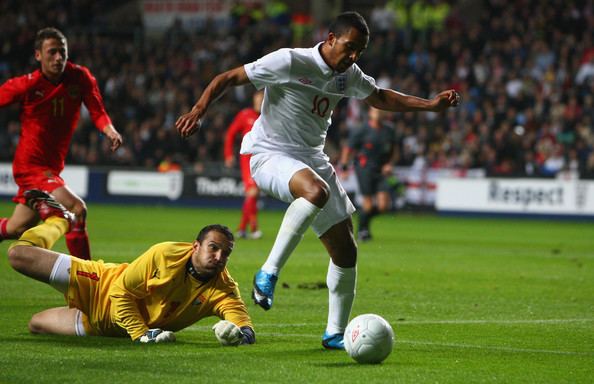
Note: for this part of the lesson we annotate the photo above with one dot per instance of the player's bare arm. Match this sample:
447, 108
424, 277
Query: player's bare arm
390, 100
114, 136
188, 123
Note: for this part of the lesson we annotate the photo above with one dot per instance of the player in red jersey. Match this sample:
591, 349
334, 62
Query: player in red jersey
50, 99
242, 124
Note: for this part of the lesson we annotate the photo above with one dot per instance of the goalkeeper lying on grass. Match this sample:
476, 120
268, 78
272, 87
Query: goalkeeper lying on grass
169, 287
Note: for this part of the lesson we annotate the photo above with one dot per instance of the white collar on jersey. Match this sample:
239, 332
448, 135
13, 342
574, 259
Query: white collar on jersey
326, 70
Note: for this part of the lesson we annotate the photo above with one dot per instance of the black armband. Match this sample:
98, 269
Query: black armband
249, 337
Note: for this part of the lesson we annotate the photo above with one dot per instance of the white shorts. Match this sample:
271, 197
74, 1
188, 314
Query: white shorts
272, 171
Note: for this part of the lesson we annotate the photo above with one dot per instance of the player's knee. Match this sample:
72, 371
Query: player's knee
252, 192
16, 257
80, 210
318, 193
36, 324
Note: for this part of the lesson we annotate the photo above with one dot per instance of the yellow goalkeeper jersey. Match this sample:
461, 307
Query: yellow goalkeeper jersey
154, 291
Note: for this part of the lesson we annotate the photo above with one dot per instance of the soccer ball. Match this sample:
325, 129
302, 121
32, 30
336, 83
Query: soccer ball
368, 339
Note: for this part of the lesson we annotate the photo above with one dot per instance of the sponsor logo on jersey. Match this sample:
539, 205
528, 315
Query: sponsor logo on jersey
92, 276
39, 93
305, 80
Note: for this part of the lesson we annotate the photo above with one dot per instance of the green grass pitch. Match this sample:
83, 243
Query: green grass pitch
470, 300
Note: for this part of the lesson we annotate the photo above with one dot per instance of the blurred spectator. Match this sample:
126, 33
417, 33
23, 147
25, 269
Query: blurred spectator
525, 70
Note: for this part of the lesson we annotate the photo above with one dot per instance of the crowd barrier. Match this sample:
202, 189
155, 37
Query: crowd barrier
447, 191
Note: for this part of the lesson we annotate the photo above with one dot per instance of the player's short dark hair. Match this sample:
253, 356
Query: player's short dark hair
215, 227
348, 20
48, 33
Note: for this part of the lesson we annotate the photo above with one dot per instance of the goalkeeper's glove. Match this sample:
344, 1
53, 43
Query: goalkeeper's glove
228, 333
157, 335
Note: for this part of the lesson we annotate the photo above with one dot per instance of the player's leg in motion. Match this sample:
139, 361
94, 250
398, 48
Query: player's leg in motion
243, 222
28, 256
366, 213
37, 241
311, 193
22, 219
77, 240
251, 209
384, 203
339, 240
249, 215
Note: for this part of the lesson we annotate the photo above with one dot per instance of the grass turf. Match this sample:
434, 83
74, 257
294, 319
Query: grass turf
470, 300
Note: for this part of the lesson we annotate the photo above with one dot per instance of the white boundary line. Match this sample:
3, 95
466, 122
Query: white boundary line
435, 344
432, 343
428, 322
479, 321
495, 348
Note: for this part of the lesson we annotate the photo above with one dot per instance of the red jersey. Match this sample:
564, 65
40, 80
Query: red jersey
242, 123
49, 114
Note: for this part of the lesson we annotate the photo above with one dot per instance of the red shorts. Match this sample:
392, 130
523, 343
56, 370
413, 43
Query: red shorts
44, 179
246, 174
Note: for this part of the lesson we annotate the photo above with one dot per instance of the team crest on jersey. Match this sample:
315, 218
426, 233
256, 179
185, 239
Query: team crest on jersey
341, 82
74, 91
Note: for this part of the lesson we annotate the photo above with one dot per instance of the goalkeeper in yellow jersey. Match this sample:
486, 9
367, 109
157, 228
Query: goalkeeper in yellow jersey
167, 288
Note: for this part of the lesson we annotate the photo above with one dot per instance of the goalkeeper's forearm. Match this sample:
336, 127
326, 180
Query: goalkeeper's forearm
249, 337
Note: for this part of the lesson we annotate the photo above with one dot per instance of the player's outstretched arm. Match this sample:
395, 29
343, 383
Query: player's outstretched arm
390, 100
189, 123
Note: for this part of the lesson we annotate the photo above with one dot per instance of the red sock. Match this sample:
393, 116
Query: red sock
244, 216
3, 233
77, 241
251, 204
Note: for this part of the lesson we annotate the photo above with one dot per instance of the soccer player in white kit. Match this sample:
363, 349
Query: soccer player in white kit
302, 87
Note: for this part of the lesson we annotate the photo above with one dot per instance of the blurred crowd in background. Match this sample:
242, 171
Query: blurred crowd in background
524, 68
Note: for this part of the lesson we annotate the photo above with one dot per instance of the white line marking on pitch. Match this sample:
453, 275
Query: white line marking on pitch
494, 347
429, 322
479, 321
438, 344
532, 321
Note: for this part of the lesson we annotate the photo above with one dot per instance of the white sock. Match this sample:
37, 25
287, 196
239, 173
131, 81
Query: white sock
59, 277
341, 294
298, 218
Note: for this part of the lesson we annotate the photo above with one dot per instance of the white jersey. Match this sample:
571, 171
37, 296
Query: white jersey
301, 91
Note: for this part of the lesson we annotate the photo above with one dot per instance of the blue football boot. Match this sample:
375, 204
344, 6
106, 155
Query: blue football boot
335, 341
264, 288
